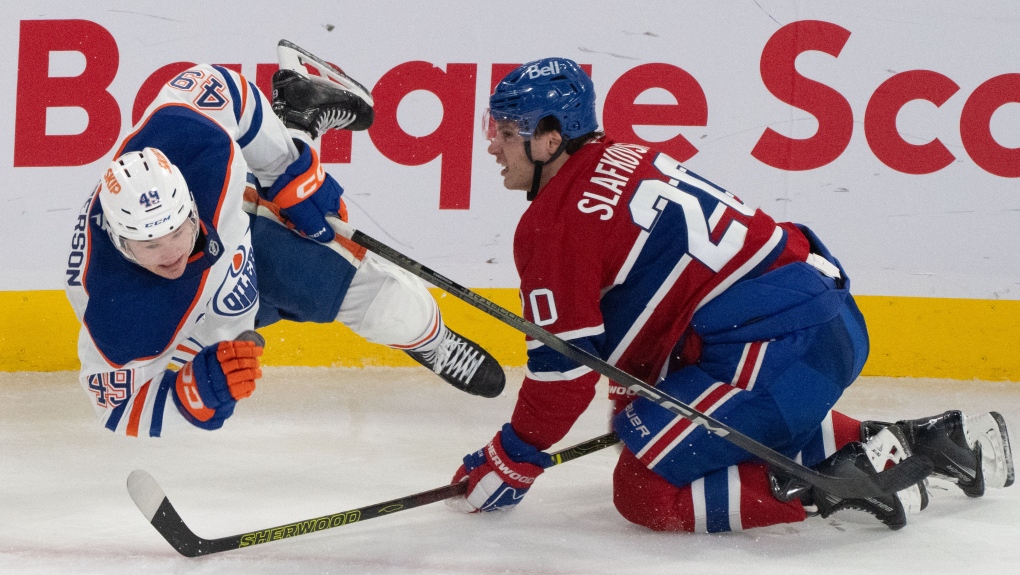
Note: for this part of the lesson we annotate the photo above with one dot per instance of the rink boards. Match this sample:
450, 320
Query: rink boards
910, 336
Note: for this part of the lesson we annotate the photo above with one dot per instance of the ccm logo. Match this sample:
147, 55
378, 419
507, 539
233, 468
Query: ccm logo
157, 222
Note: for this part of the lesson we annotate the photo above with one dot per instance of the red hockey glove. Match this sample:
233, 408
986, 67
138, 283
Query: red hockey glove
500, 474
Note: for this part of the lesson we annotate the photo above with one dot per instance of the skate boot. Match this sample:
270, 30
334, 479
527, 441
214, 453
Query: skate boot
972, 451
313, 105
464, 364
312, 95
887, 447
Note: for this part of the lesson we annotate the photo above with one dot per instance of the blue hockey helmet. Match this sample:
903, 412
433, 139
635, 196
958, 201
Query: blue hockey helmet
555, 87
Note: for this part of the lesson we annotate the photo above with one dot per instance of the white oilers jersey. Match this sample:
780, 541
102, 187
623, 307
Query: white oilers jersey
217, 128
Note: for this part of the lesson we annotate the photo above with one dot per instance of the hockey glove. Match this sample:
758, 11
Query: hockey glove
208, 387
306, 194
499, 474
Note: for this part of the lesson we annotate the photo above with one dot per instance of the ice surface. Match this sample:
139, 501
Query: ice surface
316, 441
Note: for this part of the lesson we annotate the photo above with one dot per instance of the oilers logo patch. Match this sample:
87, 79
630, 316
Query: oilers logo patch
239, 291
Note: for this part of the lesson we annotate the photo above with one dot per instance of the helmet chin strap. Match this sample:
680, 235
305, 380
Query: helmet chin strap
536, 180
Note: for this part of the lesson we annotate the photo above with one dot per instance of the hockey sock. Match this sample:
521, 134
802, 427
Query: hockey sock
845, 429
730, 499
432, 337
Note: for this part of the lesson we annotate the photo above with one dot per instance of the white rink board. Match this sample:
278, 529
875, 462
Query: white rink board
950, 233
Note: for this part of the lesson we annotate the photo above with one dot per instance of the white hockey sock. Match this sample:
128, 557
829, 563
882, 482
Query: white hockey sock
384, 304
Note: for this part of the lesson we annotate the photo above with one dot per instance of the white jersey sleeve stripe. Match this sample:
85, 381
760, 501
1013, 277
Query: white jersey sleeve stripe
650, 308
255, 124
558, 375
757, 258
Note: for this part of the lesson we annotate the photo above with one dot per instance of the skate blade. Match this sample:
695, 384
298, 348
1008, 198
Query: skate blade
293, 57
989, 429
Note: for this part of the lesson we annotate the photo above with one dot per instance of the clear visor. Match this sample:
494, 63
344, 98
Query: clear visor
488, 125
185, 237
491, 125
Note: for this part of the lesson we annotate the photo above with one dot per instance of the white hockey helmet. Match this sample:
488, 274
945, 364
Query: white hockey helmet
144, 197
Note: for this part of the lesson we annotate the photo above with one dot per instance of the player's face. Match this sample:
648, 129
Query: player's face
507, 145
166, 256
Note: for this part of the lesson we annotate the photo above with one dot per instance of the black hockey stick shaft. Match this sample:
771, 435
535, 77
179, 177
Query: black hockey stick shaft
907, 473
153, 503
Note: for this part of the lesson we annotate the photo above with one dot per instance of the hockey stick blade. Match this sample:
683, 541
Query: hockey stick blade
843, 487
157, 509
897, 478
293, 57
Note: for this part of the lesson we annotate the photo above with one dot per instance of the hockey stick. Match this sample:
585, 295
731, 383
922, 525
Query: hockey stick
154, 505
908, 472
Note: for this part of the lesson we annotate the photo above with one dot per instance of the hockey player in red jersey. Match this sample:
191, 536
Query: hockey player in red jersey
216, 218
630, 256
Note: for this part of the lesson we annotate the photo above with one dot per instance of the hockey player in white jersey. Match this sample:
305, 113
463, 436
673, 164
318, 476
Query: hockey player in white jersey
216, 218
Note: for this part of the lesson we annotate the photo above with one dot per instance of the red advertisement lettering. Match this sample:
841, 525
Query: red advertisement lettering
334, 145
621, 114
880, 121
452, 140
778, 72
975, 126
37, 91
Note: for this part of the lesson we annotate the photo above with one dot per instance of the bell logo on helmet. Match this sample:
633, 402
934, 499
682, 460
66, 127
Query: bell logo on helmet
537, 72
555, 87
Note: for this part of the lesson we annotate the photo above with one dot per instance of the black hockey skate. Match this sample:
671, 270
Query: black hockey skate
971, 451
464, 364
857, 460
315, 105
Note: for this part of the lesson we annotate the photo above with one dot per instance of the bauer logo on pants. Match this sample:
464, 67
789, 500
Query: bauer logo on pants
239, 291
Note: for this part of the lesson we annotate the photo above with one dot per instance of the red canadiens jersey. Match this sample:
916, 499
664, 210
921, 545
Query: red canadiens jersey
616, 254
